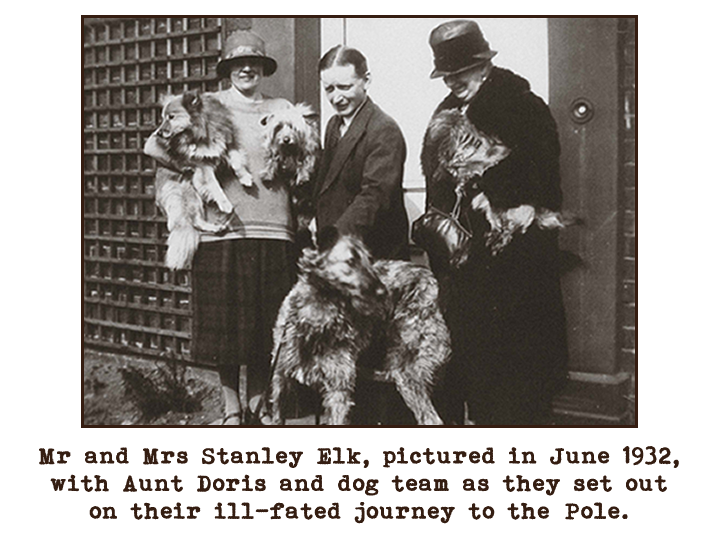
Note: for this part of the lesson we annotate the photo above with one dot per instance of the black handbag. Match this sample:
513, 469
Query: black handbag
443, 236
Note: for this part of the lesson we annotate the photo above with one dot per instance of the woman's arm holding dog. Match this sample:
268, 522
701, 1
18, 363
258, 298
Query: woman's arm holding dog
155, 149
166, 171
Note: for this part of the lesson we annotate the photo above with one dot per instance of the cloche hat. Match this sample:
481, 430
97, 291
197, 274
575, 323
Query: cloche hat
245, 45
457, 46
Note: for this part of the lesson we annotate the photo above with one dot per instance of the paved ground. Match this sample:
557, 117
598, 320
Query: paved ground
107, 402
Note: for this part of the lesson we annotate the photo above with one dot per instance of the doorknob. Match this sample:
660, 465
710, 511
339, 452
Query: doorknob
582, 110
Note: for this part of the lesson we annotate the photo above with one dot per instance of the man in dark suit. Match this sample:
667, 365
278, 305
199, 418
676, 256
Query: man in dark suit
359, 189
360, 192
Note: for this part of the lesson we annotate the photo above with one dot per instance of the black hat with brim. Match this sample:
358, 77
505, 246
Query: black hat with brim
458, 46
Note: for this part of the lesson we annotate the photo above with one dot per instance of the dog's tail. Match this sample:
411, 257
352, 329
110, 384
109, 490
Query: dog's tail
182, 243
547, 219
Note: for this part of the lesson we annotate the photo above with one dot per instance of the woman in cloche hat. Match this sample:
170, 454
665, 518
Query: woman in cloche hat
240, 277
504, 309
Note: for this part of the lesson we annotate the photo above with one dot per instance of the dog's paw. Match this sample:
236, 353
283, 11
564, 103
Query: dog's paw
480, 202
208, 227
246, 179
225, 206
498, 239
519, 218
217, 228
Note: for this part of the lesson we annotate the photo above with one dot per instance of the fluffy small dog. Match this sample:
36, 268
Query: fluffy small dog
346, 313
197, 132
453, 145
455, 150
292, 146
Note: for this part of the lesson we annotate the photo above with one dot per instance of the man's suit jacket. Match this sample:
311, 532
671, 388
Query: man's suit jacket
360, 184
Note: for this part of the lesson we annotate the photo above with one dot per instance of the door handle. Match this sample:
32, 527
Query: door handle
582, 110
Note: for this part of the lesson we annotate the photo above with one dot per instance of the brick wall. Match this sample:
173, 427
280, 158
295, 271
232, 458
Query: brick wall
626, 29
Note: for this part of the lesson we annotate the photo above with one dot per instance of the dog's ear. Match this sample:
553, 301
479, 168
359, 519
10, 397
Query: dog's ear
313, 121
311, 117
266, 119
165, 99
192, 101
326, 238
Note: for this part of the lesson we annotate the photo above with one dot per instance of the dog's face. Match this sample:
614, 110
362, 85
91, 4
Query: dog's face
289, 143
474, 154
344, 265
464, 151
179, 114
175, 118
290, 136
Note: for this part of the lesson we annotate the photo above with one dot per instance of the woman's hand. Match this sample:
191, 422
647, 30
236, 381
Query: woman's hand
156, 149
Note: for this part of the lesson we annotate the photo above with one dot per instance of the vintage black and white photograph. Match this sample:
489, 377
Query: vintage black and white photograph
359, 221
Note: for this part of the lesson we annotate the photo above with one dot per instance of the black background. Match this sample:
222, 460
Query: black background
684, 508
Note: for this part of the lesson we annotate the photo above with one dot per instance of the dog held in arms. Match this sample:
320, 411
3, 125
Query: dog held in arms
347, 313
455, 150
197, 134
292, 145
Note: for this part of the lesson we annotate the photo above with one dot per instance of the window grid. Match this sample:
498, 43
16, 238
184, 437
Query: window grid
132, 303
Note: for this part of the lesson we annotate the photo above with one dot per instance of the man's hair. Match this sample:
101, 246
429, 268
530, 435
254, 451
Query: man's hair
341, 55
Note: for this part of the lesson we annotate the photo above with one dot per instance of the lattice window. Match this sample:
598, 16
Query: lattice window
131, 302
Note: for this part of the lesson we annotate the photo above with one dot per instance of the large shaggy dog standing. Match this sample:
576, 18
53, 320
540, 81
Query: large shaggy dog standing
346, 313
197, 133
455, 150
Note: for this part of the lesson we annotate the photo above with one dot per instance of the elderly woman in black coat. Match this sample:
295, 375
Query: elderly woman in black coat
503, 303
